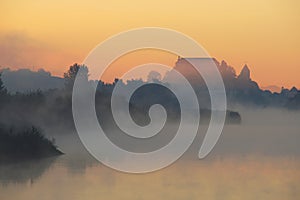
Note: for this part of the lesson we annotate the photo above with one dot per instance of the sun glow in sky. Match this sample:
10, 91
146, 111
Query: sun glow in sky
55, 34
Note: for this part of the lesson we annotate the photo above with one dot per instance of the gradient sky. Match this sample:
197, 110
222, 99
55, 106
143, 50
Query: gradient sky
55, 34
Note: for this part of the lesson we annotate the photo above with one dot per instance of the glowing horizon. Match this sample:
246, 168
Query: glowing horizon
54, 35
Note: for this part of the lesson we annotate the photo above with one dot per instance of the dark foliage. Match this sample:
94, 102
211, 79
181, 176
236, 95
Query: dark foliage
16, 145
71, 74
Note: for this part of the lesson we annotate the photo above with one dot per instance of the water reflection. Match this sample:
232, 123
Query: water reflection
249, 162
25, 171
226, 177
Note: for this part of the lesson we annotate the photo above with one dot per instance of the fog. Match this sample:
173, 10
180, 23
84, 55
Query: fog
258, 158
263, 131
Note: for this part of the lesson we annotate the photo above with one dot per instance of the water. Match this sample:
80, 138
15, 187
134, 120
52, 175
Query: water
257, 160
219, 178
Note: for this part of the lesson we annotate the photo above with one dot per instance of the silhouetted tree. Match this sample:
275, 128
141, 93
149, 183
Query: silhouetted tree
154, 76
25, 144
70, 75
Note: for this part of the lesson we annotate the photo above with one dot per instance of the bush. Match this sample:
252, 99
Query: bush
29, 143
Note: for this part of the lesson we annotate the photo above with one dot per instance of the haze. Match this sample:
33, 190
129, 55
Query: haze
55, 34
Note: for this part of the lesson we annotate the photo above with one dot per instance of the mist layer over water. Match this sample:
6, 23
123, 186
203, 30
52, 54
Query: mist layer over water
257, 159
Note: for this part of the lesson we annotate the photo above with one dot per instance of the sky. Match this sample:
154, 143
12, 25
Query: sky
55, 34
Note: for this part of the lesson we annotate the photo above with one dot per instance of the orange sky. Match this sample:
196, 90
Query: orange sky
55, 34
